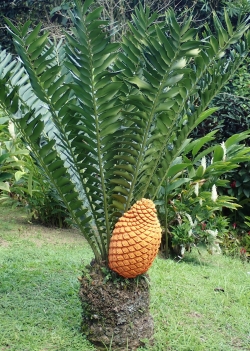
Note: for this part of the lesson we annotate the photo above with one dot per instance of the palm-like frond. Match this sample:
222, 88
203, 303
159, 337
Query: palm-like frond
105, 120
179, 79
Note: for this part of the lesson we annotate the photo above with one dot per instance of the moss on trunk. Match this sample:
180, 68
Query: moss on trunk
115, 311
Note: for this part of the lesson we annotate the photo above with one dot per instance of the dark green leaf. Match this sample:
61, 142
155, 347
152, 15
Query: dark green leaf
33, 35
176, 169
37, 43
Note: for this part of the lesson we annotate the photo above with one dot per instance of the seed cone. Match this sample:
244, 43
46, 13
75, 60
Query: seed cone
135, 241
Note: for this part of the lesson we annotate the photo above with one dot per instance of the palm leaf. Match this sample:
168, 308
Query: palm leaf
78, 151
178, 82
107, 121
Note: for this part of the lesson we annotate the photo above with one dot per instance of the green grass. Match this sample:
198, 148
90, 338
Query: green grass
201, 303
40, 310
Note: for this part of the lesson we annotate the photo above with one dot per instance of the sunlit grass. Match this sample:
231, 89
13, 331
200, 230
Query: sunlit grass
201, 303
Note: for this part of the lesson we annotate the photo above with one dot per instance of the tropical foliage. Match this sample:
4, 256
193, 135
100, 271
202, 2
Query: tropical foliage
188, 201
105, 121
232, 117
23, 183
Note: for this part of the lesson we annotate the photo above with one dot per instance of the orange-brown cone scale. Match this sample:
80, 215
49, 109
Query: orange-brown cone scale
135, 240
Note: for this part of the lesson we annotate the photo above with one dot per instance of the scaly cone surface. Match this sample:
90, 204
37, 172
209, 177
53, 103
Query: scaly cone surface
135, 241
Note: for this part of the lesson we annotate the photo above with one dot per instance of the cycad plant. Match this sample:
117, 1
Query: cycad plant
106, 120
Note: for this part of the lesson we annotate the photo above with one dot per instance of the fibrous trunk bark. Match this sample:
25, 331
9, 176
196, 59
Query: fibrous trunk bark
115, 311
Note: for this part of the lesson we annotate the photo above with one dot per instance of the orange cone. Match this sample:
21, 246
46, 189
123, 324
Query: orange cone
135, 241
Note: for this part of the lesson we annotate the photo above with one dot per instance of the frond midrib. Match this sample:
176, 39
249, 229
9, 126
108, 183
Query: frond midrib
99, 155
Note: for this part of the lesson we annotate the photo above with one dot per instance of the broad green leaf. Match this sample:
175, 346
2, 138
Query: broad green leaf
50, 157
165, 106
37, 43
121, 190
4, 157
199, 172
110, 129
190, 45
176, 184
57, 94
76, 204
11, 26
214, 43
163, 129
120, 198
189, 35
193, 52
198, 144
45, 63
5, 186
167, 44
140, 83
204, 115
179, 64
118, 205
120, 181
173, 80
86, 6
236, 138
33, 35
19, 175
131, 160
176, 169
5, 176
123, 174
95, 14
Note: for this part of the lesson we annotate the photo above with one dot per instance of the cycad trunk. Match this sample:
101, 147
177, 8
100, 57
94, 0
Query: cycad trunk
116, 312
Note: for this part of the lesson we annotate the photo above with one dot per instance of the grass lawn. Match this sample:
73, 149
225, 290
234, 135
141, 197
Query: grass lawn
199, 304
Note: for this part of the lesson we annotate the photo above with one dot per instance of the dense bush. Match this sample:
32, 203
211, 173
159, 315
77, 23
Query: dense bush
23, 182
189, 205
233, 116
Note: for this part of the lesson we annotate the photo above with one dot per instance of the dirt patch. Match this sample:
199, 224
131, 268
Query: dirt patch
18, 215
15, 222
195, 315
237, 343
41, 235
3, 243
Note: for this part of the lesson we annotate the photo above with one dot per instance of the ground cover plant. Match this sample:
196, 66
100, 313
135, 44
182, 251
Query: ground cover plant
106, 122
199, 303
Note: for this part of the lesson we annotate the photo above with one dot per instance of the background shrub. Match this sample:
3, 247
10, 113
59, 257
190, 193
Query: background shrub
23, 182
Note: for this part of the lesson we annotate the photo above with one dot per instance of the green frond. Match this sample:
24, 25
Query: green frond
108, 122
193, 73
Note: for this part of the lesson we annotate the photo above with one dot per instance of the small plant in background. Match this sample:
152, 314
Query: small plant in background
236, 240
190, 206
